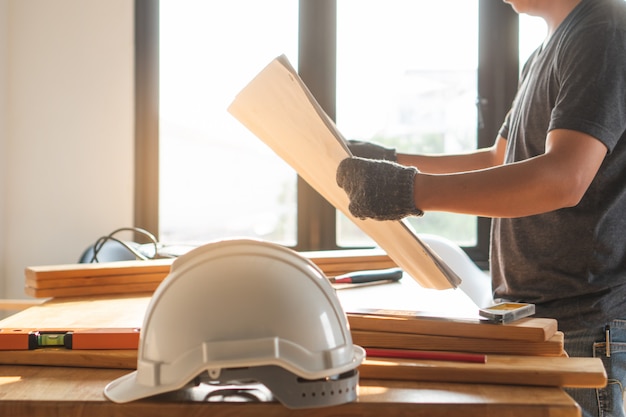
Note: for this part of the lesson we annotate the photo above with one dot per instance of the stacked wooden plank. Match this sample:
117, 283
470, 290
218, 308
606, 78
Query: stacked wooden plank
526, 352
128, 277
77, 280
528, 336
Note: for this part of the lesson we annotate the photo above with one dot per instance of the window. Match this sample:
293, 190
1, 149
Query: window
217, 179
533, 31
386, 70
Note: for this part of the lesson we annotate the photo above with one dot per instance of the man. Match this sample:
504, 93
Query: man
554, 183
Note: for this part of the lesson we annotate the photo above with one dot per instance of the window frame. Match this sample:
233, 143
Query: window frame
498, 70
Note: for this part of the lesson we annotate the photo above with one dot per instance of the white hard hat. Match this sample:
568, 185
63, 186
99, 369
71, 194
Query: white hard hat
242, 310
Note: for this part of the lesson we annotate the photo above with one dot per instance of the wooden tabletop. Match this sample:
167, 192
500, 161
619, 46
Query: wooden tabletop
42, 391
47, 391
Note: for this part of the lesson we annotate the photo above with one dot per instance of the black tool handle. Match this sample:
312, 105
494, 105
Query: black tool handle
361, 277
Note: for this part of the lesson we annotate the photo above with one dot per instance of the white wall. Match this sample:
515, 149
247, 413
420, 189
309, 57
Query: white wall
66, 77
4, 30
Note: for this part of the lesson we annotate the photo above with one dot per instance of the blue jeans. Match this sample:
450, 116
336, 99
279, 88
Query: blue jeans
607, 401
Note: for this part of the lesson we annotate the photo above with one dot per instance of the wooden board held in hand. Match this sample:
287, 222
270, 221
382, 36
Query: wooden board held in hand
280, 110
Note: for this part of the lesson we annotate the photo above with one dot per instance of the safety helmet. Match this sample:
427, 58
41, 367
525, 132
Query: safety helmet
245, 310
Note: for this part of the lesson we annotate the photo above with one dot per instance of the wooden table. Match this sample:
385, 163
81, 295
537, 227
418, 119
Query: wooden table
42, 391
51, 391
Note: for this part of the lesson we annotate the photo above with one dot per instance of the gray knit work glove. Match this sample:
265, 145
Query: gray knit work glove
380, 190
371, 150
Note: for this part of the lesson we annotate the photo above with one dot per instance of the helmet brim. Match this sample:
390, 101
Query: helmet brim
126, 388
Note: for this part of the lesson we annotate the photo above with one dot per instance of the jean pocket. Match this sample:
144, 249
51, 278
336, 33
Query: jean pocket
611, 397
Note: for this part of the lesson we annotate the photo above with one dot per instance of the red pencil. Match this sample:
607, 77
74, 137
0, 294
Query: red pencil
426, 355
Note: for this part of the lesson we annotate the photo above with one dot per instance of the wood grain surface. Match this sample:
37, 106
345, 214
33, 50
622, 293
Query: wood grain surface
37, 391
550, 347
499, 369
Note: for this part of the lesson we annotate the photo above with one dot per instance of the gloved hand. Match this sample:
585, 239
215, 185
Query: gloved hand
371, 150
380, 190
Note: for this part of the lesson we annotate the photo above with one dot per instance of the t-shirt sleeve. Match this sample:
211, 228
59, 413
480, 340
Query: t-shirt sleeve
592, 78
504, 129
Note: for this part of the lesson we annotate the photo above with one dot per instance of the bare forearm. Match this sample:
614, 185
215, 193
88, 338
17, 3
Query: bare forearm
446, 164
556, 179
514, 190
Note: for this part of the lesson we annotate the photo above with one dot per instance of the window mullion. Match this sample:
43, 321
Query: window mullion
497, 82
317, 68
146, 181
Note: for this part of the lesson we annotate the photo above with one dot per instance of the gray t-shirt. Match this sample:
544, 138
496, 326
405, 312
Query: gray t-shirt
571, 262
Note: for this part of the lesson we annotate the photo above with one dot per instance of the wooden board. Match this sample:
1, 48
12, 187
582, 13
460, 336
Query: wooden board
50, 284
88, 271
87, 290
280, 110
529, 329
76, 280
550, 347
124, 311
109, 359
516, 370
337, 262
